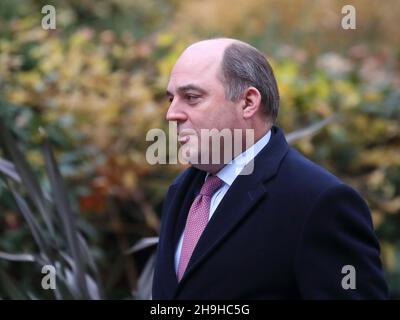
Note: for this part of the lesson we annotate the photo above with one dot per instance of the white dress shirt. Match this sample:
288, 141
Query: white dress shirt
228, 174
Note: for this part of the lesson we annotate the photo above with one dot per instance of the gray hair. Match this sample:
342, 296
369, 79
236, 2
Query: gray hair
243, 66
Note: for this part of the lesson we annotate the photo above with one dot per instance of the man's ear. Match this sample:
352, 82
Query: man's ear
252, 102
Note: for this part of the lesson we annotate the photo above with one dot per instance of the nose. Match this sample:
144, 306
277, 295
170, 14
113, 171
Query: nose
175, 113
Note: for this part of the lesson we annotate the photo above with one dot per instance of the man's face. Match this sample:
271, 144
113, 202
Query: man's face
198, 101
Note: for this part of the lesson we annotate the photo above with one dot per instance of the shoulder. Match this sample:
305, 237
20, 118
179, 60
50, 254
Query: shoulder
311, 187
302, 174
327, 196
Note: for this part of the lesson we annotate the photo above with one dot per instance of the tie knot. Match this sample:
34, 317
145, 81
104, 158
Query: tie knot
212, 184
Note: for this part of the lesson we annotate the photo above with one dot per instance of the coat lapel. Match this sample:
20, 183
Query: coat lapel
182, 195
243, 194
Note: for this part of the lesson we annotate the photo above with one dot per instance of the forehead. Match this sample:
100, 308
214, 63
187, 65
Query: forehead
197, 68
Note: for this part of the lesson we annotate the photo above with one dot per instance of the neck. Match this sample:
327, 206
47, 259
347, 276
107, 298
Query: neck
214, 168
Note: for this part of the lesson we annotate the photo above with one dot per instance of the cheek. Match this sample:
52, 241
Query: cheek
215, 113
229, 116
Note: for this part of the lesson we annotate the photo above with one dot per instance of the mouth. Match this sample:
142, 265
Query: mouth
184, 135
182, 139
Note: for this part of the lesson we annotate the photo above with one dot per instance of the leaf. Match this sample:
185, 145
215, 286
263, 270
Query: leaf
66, 288
143, 244
92, 264
7, 168
36, 231
65, 214
93, 288
27, 176
309, 131
145, 282
22, 257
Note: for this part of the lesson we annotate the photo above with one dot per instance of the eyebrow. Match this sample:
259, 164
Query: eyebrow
187, 87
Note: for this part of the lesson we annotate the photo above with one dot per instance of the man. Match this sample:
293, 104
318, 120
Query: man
287, 230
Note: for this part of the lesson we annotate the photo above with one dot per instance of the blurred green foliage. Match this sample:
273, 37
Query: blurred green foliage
97, 83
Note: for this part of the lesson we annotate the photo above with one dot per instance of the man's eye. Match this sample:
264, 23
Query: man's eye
191, 98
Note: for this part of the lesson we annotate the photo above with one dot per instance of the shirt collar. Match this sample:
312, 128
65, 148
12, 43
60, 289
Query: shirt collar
232, 169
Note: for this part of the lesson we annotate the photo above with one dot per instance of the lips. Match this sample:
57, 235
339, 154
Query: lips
183, 135
183, 138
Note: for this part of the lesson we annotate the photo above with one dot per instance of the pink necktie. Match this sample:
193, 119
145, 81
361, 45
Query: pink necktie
197, 220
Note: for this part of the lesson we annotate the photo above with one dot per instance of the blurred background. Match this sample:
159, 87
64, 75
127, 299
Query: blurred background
76, 103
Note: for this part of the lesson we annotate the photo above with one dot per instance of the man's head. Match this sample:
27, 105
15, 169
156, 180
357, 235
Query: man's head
221, 84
